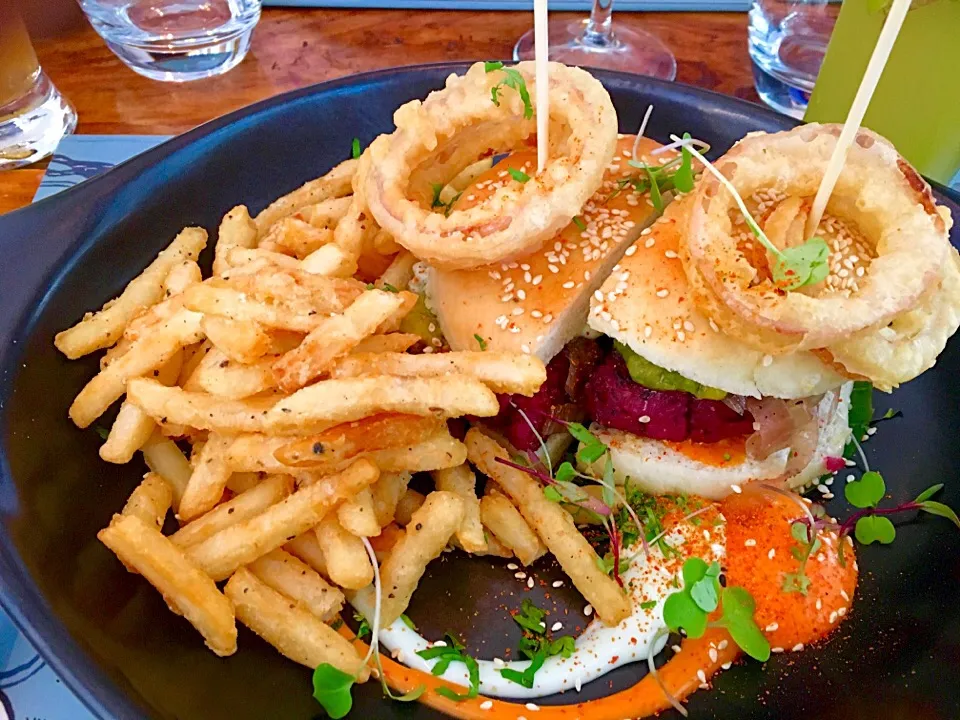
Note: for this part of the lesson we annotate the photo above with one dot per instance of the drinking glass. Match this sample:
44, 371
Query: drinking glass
787, 42
595, 42
33, 114
175, 40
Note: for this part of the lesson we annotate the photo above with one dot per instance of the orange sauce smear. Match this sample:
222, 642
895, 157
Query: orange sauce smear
759, 557
729, 451
679, 676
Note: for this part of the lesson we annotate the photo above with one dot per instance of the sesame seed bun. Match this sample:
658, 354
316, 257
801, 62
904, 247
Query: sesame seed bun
661, 468
648, 306
537, 304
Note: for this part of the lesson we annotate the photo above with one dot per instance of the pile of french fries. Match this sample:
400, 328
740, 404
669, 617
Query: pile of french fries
304, 416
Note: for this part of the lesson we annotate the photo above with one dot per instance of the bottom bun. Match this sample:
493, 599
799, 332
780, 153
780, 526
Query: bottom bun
658, 469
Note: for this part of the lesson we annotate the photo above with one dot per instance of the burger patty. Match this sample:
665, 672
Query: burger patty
589, 382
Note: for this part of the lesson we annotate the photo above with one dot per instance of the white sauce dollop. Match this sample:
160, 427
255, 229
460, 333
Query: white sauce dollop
599, 649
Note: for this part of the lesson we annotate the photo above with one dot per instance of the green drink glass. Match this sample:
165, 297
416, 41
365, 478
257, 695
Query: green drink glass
917, 102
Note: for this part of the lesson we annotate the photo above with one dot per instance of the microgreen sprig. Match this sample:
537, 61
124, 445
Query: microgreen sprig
795, 267
702, 594
535, 644
355, 150
512, 79
451, 652
332, 686
519, 175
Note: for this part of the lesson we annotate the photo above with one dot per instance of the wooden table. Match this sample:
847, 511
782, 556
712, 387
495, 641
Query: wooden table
293, 48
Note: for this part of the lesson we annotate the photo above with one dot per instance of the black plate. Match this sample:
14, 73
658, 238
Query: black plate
109, 635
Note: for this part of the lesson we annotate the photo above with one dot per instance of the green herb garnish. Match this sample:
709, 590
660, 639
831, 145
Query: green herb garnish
390, 288
355, 150
512, 79
702, 594
518, 175
450, 653
331, 688
648, 605
809, 543
408, 622
480, 341
535, 644
859, 415
578, 221
592, 448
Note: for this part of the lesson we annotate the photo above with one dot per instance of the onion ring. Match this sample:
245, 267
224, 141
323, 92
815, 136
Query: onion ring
877, 192
439, 137
910, 344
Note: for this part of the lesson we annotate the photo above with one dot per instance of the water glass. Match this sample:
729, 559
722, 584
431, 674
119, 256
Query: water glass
787, 42
33, 114
175, 40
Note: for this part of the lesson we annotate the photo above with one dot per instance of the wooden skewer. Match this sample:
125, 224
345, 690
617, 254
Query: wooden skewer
541, 40
881, 53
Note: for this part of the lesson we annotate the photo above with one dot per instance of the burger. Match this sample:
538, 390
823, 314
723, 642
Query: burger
682, 407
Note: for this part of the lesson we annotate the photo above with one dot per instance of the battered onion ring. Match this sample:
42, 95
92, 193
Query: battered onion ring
459, 124
877, 192
909, 345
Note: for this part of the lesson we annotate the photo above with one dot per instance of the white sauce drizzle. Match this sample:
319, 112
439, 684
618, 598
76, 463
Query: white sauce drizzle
599, 649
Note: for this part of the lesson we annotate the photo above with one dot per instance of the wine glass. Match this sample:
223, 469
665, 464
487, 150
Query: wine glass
595, 43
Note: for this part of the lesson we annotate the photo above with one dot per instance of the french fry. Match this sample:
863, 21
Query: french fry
335, 184
193, 355
209, 478
347, 562
236, 305
386, 492
150, 501
241, 508
383, 543
306, 547
242, 256
256, 453
237, 230
198, 410
426, 536
164, 458
334, 338
554, 526
219, 375
103, 328
243, 342
292, 577
329, 449
409, 503
461, 480
495, 548
501, 372
296, 237
336, 401
326, 213
180, 277
133, 427
244, 542
330, 261
385, 244
435, 453
145, 355
357, 515
503, 519
242, 481
400, 272
390, 343
295, 632
392, 323
187, 591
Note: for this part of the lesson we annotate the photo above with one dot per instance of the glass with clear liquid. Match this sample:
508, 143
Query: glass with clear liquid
787, 41
175, 40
